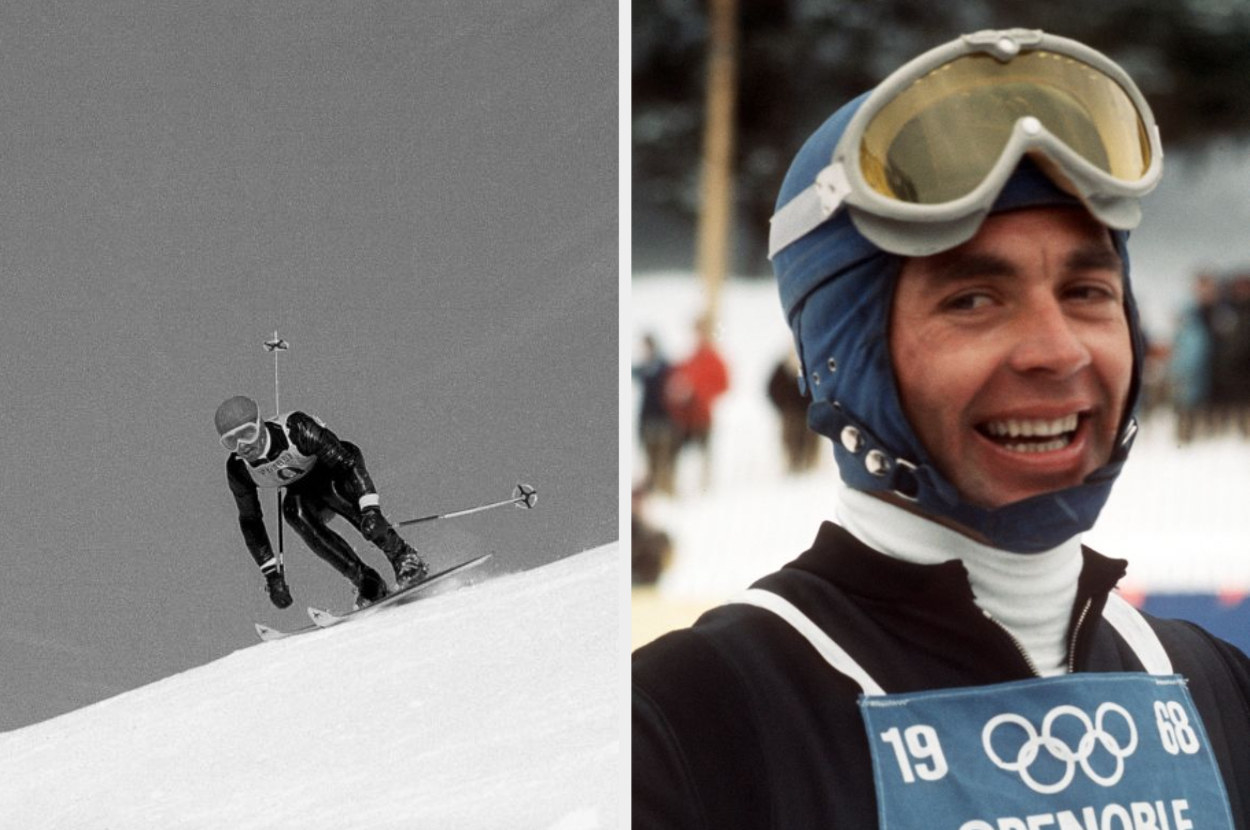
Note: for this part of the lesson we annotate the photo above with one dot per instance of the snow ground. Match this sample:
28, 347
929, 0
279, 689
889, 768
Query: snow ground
1177, 515
496, 705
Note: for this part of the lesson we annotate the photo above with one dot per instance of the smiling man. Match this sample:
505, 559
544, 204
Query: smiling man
951, 252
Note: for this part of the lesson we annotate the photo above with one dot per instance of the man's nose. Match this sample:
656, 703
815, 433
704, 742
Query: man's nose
1048, 340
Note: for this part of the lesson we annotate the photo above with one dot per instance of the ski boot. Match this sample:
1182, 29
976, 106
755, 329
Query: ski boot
370, 588
410, 568
276, 587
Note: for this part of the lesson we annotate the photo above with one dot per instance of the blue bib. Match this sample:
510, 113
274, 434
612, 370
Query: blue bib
1123, 751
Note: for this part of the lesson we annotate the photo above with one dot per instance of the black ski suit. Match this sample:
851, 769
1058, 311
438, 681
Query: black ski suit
323, 476
739, 723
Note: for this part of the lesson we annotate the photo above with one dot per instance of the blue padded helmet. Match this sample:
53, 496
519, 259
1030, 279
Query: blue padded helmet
836, 290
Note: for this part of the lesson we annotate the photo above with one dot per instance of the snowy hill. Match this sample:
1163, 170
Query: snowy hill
494, 705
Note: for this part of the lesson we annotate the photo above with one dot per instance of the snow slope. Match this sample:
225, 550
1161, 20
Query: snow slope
495, 705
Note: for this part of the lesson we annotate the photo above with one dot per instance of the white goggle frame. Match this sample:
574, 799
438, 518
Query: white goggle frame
911, 229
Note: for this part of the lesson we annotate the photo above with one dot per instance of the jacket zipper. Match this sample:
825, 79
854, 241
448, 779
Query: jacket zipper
1024, 654
1076, 630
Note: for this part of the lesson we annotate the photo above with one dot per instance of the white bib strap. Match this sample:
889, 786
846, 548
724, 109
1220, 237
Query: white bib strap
1122, 616
1141, 638
832, 652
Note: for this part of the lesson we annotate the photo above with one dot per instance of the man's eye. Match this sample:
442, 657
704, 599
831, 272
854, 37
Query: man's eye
967, 302
1091, 292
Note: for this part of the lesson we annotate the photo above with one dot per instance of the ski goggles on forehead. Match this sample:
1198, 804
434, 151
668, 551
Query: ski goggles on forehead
926, 155
245, 434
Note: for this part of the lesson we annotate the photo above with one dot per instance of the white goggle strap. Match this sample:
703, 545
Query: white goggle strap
808, 210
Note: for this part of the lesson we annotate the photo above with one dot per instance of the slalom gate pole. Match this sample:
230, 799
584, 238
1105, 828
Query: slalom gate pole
522, 496
278, 519
277, 344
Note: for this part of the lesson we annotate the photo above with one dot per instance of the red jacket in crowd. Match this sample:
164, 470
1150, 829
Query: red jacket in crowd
693, 386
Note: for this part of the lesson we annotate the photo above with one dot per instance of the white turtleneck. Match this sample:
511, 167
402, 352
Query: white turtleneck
1031, 595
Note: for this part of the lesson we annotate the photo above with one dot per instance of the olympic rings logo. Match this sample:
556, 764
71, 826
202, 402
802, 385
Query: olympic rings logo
1095, 735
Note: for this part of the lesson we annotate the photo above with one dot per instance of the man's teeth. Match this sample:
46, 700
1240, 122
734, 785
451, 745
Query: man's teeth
1058, 430
1015, 428
1048, 446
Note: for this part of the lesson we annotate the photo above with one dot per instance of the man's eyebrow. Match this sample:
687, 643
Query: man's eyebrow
944, 269
1093, 258
950, 269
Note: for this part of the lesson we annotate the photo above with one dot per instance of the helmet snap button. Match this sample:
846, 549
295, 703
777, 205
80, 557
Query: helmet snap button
877, 463
852, 439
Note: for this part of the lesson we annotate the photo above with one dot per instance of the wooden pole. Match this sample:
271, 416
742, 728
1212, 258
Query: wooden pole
716, 186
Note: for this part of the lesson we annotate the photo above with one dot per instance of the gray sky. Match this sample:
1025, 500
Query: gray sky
420, 197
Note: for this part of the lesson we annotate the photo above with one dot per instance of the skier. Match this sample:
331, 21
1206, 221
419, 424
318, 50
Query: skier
323, 476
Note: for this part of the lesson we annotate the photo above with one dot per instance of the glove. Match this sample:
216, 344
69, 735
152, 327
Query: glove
372, 524
276, 587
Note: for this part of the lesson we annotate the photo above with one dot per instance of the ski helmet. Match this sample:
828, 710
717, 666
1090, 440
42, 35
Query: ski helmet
837, 289
234, 413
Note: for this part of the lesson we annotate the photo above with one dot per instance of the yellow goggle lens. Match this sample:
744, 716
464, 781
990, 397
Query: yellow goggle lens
937, 140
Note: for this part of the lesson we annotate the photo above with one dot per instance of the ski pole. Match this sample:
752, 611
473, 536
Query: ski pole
522, 496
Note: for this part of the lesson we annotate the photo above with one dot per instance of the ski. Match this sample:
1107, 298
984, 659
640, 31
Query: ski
325, 619
270, 634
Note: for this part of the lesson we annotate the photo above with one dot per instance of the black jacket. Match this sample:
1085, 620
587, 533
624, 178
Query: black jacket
737, 722
338, 464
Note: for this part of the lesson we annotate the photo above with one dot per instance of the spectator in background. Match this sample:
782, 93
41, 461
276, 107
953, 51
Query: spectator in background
1239, 355
800, 444
655, 428
1190, 364
692, 389
1230, 357
650, 547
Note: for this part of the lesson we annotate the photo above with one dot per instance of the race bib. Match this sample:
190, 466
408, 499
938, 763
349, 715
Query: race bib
1083, 751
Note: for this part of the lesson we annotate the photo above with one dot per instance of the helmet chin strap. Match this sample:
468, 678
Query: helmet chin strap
1033, 525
